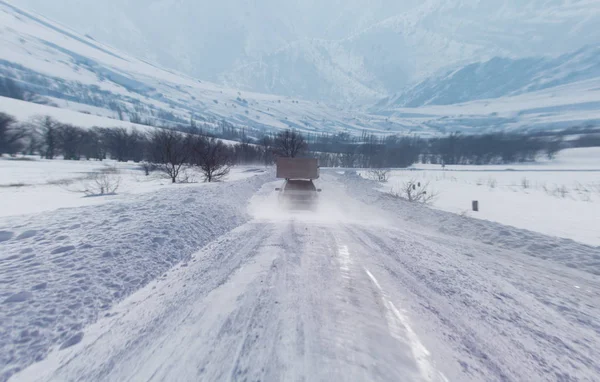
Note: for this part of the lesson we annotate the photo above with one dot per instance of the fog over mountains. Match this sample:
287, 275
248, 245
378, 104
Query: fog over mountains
351, 51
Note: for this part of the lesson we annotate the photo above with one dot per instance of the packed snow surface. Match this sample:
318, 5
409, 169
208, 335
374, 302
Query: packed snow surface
365, 287
60, 270
560, 197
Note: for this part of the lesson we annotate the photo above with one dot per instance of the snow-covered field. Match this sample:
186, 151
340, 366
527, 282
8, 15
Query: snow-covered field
62, 269
557, 198
36, 185
215, 281
556, 108
367, 287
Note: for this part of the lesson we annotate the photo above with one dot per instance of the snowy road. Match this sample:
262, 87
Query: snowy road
350, 292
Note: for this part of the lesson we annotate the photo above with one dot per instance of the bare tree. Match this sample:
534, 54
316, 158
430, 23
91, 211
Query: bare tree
70, 140
34, 140
94, 144
170, 151
266, 144
348, 156
117, 141
213, 158
11, 135
289, 143
49, 133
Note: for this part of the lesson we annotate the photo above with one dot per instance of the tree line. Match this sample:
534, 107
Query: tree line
370, 151
50, 138
169, 151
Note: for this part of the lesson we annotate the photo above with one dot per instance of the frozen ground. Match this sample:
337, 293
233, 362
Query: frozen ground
37, 185
558, 198
368, 287
60, 270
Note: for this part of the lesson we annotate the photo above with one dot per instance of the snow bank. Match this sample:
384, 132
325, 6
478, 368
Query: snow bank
64, 269
563, 251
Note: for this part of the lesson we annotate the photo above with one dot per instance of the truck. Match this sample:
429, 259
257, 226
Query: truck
298, 190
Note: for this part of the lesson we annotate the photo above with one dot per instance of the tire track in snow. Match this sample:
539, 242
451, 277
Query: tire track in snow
396, 322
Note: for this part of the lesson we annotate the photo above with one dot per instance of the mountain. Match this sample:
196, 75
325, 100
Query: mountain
77, 72
347, 52
500, 77
95, 84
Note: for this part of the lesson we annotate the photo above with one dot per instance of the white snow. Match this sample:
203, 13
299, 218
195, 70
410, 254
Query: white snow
399, 322
557, 198
78, 60
63, 269
55, 52
36, 185
427, 296
26, 111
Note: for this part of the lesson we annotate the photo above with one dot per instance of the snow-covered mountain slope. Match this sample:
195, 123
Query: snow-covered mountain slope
311, 69
377, 46
500, 77
575, 105
82, 74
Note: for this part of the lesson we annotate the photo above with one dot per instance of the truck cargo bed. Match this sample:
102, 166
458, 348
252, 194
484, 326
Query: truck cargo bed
297, 168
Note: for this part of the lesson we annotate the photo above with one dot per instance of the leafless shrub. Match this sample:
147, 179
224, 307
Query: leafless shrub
379, 174
492, 183
104, 182
188, 176
561, 191
101, 183
525, 183
415, 191
582, 189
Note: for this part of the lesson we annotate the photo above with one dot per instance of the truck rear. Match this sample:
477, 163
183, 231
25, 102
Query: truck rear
298, 190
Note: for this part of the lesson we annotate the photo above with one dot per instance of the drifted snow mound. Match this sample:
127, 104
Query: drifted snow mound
565, 252
64, 269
